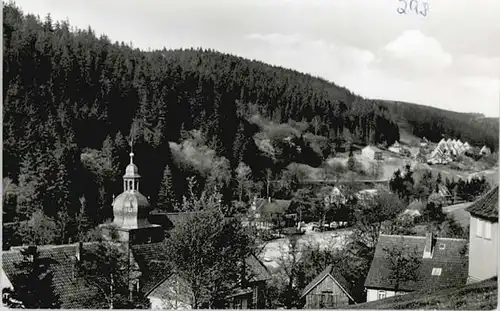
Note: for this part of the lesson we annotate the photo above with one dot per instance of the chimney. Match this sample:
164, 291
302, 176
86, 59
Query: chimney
429, 245
269, 199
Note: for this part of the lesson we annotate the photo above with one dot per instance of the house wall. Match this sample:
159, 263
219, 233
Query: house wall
313, 298
483, 252
373, 294
368, 152
5, 281
395, 149
173, 293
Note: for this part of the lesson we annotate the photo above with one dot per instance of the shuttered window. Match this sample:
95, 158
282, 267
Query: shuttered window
487, 230
479, 228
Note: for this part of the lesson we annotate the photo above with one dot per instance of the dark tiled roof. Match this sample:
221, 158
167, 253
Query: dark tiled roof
73, 291
151, 259
257, 269
452, 260
330, 270
486, 206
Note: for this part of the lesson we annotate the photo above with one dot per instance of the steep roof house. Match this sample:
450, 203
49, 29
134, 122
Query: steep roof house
267, 213
442, 262
396, 147
483, 237
328, 290
485, 151
372, 152
173, 292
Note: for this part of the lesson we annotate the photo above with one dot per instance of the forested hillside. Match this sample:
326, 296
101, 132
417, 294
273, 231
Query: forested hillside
73, 101
434, 124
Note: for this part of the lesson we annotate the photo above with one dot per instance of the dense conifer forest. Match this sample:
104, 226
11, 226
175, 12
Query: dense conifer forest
74, 100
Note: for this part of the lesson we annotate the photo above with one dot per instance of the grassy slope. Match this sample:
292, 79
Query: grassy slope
478, 296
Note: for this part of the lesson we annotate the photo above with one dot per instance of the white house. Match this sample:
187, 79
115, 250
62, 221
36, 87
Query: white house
396, 147
485, 151
372, 152
483, 237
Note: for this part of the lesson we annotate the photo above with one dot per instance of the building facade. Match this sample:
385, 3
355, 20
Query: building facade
483, 237
372, 152
327, 291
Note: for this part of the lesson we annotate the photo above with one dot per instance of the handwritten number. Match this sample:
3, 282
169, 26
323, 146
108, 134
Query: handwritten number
414, 4
426, 9
403, 10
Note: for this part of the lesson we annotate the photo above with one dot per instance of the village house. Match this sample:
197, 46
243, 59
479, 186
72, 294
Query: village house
267, 214
396, 147
328, 290
424, 142
443, 262
144, 244
483, 237
372, 153
485, 151
175, 293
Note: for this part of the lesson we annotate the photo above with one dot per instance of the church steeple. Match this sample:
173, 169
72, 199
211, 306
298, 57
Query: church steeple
131, 177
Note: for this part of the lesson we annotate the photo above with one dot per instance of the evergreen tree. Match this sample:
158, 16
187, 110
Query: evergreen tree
33, 285
166, 197
351, 163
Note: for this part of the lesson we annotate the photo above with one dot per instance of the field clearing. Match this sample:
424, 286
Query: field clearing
274, 251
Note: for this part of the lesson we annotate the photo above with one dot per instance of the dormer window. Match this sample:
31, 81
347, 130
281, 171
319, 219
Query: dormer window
436, 271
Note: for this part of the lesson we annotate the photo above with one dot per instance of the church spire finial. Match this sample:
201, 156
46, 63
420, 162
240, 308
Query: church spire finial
131, 151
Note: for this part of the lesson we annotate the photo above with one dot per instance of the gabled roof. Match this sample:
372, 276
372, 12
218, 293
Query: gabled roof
159, 286
375, 149
151, 259
486, 206
258, 271
330, 271
275, 206
73, 291
451, 259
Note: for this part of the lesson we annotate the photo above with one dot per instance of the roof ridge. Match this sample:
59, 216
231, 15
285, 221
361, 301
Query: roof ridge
451, 239
47, 246
403, 236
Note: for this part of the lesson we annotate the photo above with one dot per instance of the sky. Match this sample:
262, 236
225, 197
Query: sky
448, 59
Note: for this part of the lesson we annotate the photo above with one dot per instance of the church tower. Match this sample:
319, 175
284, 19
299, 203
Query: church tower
131, 211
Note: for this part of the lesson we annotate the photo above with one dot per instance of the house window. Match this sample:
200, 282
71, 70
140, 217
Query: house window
381, 294
479, 228
487, 230
436, 271
442, 246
